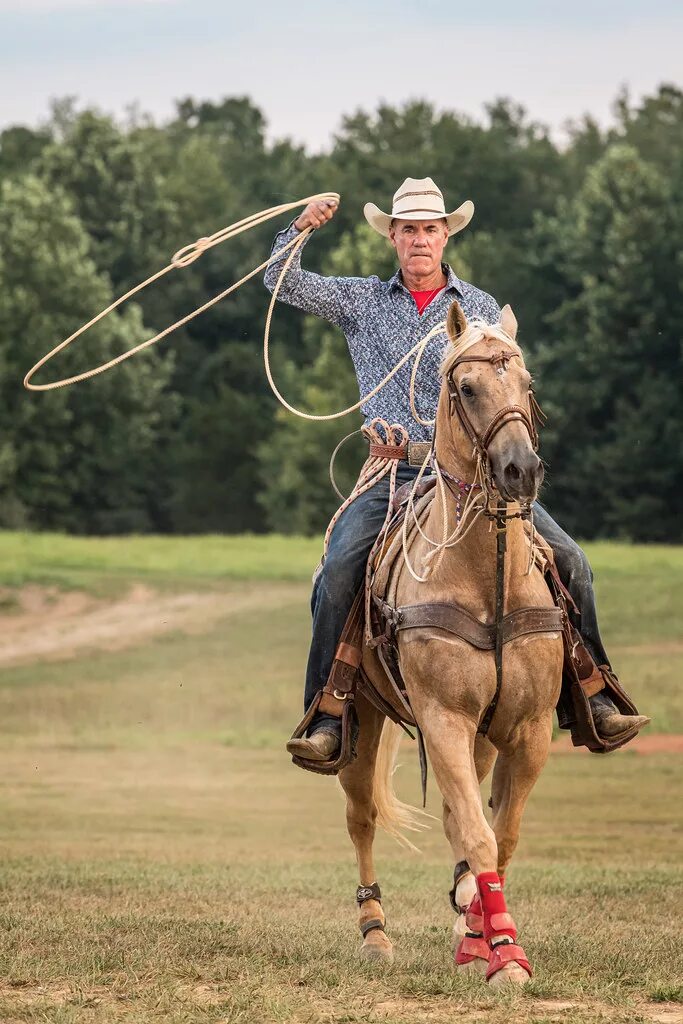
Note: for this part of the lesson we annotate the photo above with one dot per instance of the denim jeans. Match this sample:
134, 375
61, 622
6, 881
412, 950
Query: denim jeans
343, 572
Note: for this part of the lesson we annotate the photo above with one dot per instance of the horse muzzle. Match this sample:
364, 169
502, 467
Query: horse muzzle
517, 472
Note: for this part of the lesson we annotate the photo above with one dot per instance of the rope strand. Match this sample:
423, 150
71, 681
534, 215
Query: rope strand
374, 469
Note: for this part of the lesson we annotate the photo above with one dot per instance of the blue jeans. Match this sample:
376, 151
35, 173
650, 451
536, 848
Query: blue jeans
343, 573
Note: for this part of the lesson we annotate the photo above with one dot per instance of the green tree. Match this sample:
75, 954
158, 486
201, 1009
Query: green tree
117, 192
20, 148
83, 458
610, 364
296, 493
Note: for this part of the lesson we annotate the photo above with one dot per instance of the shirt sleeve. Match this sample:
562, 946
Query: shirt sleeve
492, 313
332, 298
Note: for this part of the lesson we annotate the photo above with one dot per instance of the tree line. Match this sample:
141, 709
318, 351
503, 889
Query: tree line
584, 239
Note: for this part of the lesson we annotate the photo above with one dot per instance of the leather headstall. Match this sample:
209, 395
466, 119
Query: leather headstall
531, 418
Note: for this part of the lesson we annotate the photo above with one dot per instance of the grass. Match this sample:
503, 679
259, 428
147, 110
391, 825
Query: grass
163, 861
97, 564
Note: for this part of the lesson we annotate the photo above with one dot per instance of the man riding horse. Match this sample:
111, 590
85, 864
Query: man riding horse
382, 320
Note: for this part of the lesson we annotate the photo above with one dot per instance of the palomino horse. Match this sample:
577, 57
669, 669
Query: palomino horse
450, 683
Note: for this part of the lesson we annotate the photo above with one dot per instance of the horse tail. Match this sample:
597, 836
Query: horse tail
393, 815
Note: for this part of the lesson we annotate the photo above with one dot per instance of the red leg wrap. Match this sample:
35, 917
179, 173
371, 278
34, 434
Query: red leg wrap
497, 921
474, 918
471, 948
505, 953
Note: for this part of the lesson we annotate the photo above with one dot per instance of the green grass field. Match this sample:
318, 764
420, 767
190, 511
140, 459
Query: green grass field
163, 861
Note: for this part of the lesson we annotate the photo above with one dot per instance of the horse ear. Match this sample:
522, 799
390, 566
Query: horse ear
508, 321
456, 321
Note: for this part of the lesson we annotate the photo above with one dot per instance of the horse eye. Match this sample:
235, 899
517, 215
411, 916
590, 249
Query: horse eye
467, 391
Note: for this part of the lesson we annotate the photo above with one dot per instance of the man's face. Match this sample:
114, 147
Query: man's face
419, 244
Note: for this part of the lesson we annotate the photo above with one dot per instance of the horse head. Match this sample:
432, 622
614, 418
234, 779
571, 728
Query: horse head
492, 413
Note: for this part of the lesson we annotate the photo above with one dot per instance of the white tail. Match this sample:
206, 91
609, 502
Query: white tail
392, 814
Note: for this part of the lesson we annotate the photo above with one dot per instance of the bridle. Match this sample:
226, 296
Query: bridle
532, 418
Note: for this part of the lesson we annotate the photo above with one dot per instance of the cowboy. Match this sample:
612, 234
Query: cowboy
382, 320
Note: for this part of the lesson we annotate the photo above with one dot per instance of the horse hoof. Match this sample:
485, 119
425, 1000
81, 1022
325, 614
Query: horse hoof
510, 974
375, 953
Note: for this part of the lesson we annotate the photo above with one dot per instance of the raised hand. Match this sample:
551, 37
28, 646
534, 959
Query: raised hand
316, 214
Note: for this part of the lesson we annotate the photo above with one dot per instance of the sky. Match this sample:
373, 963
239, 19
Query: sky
307, 64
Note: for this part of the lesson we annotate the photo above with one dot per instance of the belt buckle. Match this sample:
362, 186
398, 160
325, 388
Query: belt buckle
417, 452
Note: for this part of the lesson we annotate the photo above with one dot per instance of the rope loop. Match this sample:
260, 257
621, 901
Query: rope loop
189, 253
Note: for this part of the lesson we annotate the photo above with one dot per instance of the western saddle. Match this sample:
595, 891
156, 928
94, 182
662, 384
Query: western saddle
374, 621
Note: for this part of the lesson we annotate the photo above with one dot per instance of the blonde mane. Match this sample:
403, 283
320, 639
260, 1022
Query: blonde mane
477, 330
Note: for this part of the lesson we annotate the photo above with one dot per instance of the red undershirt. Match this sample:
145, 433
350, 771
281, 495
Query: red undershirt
422, 299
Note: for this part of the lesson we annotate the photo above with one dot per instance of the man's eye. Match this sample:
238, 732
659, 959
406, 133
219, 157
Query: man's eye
467, 391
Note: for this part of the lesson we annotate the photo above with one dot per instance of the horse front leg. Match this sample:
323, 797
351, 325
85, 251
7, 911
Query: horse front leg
450, 738
514, 776
357, 781
469, 947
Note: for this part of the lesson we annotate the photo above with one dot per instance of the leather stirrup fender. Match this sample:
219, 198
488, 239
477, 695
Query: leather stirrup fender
337, 698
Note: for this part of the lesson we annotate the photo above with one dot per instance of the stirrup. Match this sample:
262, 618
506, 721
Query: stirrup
583, 731
347, 750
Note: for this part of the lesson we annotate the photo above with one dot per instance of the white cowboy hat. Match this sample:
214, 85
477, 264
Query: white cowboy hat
418, 199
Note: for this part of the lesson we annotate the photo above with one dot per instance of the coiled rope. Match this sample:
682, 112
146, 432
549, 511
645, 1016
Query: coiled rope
184, 258
374, 469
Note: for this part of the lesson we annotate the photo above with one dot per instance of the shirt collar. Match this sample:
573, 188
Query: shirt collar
453, 281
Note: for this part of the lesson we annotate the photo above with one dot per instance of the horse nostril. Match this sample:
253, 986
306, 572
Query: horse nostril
513, 473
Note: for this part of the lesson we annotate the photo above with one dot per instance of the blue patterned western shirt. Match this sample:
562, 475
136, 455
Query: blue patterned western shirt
381, 323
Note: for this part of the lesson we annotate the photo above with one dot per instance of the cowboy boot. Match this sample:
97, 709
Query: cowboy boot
608, 720
321, 746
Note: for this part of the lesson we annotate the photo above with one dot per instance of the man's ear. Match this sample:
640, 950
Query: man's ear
456, 321
508, 321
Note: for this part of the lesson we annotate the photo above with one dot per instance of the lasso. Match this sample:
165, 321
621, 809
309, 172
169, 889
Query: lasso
184, 258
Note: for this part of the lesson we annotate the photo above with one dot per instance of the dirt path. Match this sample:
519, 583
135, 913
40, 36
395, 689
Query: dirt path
645, 743
428, 1010
425, 1010
52, 625
57, 626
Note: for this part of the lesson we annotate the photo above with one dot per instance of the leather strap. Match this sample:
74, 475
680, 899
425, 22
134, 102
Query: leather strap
578, 679
388, 451
413, 452
368, 892
341, 683
368, 926
371, 693
349, 654
594, 683
501, 547
457, 620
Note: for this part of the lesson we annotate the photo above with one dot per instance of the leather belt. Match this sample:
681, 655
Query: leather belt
414, 452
